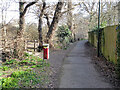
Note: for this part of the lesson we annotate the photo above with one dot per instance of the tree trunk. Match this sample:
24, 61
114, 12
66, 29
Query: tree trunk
54, 23
19, 44
40, 28
70, 19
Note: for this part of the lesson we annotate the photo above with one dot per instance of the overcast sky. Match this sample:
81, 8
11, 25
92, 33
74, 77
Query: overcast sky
13, 9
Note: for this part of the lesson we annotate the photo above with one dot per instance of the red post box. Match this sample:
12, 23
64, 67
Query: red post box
46, 51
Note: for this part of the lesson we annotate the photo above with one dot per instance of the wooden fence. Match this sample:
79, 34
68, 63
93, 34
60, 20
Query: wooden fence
31, 45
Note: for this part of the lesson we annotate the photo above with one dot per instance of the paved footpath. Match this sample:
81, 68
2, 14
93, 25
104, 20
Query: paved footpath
79, 71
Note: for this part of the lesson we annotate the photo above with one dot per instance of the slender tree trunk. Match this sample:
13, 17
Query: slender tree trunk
40, 28
19, 44
70, 19
54, 23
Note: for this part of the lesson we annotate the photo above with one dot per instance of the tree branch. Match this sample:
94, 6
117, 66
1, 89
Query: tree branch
28, 5
66, 11
93, 4
47, 18
86, 8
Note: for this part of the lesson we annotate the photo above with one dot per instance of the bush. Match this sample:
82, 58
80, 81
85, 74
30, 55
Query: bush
64, 35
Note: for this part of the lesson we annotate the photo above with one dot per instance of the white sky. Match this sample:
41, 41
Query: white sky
13, 10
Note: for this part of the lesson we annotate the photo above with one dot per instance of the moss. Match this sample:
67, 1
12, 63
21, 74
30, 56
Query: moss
108, 42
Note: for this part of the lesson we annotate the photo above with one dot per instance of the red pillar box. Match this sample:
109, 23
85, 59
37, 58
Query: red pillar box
46, 51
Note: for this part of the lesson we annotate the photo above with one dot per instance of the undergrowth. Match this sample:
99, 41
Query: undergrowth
22, 73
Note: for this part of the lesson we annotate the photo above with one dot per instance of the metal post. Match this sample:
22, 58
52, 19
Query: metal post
98, 44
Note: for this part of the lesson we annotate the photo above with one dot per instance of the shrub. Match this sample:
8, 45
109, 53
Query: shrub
64, 35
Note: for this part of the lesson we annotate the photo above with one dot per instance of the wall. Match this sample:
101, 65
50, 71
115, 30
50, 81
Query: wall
108, 42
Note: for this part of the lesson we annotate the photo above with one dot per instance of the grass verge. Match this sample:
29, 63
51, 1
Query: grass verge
27, 73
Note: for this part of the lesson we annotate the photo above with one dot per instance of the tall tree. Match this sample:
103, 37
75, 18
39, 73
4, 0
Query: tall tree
70, 18
3, 8
19, 44
55, 21
40, 26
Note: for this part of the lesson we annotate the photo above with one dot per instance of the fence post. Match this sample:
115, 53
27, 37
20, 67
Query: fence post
34, 45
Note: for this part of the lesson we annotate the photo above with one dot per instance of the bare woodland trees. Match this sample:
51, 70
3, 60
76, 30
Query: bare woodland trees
54, 17
108, 13
55, 21
19, 44
4, 7
40, 26
70, 17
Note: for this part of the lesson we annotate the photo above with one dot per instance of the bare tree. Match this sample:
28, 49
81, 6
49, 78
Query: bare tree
4, 8
54, 23
69, 13
40, 26
70, 19
19, 44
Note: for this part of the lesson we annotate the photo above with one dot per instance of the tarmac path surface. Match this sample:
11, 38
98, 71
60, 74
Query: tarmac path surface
79, 71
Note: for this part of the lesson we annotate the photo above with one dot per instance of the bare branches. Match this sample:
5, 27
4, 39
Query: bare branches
43, 8
67, 11
93, 4
28, 5
86, 8
47, 18
54, 21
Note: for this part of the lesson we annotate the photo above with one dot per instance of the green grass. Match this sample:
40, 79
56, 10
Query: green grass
21, 79
22, 73
9, 82
8, 62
